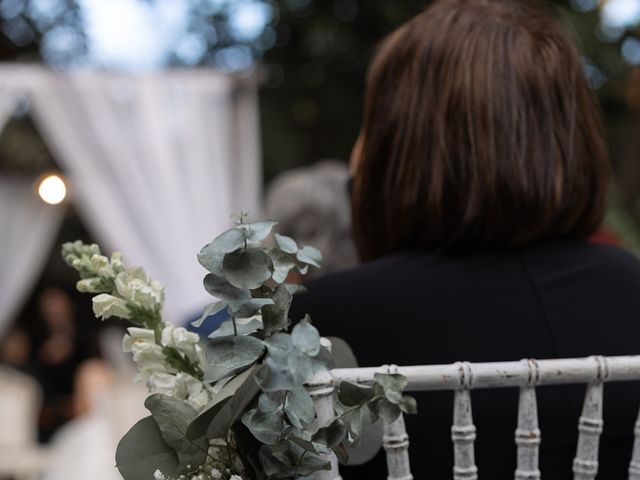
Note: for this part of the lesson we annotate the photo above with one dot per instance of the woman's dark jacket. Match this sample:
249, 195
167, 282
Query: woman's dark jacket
558, 298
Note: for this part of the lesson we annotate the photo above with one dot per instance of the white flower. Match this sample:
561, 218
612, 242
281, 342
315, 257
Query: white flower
235, 477
106, 306
137, 335
116, 262
158, 475
165, 383
100, 265
182, 340
216, 474
134, 285
146, 353
200, 400
91, 285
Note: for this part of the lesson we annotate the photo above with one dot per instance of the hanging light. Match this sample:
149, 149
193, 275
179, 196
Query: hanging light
52, 189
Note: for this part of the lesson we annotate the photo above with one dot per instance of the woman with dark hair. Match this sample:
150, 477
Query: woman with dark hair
479, 174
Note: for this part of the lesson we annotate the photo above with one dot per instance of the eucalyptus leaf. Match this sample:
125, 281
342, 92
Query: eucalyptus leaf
392, 385
271, 402
273, 376
244, 328
323, 361
299, 407
247, 269
286, 244
273, 467
173, 416
352, 394
342, 354
221, 288
258, 231
333, 434
310, 255
408, 405
275, 317
229, 241
211, 259
142, 451
295, 289
233, 408
250, 308
302, 443
365, 437
282, 264
209, 310
198, 426
306, 337
266, 427
381, 407
234, 351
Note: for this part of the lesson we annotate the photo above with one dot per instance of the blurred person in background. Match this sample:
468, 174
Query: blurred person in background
59, 352
311, 205
479, 174
16, 350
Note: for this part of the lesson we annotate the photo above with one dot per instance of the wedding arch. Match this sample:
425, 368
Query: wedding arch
156, 164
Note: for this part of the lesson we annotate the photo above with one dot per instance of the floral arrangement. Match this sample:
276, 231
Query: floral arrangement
233, 406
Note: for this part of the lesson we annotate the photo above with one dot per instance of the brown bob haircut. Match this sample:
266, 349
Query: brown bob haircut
480, 131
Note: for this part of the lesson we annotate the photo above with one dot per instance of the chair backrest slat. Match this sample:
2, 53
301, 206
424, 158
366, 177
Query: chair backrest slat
527, 436
462, 377
396, 445
585, 465
634, 466
463, 434
321, 390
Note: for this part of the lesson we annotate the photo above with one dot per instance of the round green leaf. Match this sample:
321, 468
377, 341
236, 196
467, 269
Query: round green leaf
234, 352
310, 255
247, 269
306, 337
258, 231
221, 288
173, 416
286, 244
228, 241
142, 451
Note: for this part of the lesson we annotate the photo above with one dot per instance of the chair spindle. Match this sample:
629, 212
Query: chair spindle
585, 465
396, 445
463, 431
528, 436
634, 466
321, 389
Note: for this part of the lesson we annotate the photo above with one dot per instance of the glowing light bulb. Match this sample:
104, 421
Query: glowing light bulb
52, 189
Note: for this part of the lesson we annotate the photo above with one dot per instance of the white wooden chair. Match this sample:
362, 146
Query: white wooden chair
461, 377
20, 399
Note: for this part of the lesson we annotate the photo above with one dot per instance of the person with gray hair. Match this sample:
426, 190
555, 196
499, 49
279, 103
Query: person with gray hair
311, 205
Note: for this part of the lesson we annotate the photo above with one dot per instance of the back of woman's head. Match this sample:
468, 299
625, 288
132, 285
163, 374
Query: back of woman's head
479, 131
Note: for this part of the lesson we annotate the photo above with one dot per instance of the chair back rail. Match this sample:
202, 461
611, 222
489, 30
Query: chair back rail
461, 377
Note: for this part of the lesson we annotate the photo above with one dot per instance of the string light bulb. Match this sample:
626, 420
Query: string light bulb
52, 189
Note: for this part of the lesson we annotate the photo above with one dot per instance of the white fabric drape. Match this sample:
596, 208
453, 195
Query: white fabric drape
158, 163
28, 229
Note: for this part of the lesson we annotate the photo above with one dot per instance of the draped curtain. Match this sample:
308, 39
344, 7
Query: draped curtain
28, 228
157, 163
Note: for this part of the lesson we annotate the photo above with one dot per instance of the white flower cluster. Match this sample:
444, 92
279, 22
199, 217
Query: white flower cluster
133, 287
159, 375
118, 290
